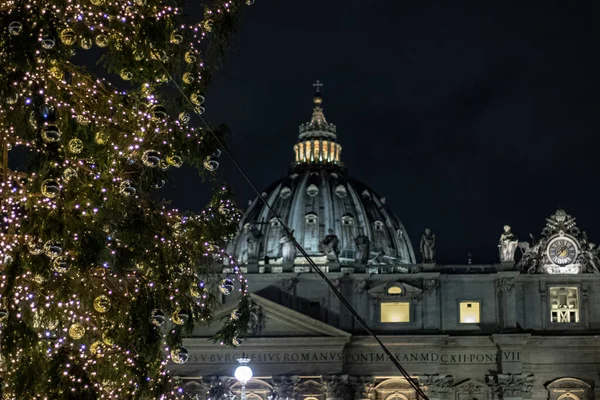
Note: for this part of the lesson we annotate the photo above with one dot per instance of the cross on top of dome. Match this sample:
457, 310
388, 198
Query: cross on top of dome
317, 127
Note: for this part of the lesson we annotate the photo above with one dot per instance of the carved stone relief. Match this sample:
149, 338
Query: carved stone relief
505, 285
509, 385
437, 386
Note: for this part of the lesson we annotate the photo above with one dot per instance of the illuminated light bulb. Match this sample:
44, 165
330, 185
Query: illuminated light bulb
243, 373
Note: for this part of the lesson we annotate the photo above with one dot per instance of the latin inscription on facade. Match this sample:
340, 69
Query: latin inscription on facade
357, 358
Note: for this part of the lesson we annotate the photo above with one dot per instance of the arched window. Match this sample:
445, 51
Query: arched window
394, 290
348, 234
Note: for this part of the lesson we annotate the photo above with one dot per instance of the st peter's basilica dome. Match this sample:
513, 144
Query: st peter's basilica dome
334, 217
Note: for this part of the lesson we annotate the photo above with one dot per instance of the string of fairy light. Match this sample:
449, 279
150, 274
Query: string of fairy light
103, 151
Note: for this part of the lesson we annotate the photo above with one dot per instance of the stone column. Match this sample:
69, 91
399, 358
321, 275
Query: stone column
437, 387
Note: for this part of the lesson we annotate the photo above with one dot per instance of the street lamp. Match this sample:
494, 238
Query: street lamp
243, 373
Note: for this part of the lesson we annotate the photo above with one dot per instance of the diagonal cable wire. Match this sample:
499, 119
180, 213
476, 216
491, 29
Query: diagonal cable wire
310, 261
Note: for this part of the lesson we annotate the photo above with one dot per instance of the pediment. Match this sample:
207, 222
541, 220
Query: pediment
568, 383
279, 321
471, 386
310, 388
394, 290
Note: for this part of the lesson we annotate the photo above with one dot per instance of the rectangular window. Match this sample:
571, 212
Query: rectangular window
469, 312
395, 311
564, 305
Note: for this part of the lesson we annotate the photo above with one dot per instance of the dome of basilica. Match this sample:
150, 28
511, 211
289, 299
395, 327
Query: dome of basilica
337, 219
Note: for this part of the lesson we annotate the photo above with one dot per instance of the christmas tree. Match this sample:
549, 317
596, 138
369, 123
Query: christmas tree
99, 278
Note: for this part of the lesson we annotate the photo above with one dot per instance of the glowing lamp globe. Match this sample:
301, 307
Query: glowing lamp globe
243, 372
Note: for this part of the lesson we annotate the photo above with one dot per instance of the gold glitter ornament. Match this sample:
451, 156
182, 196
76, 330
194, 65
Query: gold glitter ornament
176, 37
126, 189
76, 331
157, 318
179, 355
188, 78
75, 146
184, 117
179, 317
60, 265
82, 120
235, 314
107, 338
227, 286
85, 43
138, 55
56, 72
97, 348
163, 165
51, 133
69, 173
207, 25
68, 36
175, 161
210, 163
140, 2
15, 28
236, 341
3, 314
151, 158
101, 137
50, 188
126, 75
102, 303
249, 2
97, 2
189, 58
48, 43
101, 40
163, 78
199, 110
197, 98
52, 249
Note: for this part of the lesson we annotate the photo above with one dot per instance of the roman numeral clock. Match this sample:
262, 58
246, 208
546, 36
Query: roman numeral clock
561, 253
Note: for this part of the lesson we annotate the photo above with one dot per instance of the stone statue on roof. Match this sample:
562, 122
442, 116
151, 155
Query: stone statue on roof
330, 246
507, 244
427, 246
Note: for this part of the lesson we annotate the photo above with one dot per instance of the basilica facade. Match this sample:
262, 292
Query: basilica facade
524, 327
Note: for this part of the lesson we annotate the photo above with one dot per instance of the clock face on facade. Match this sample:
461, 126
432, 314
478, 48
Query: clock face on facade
562, 251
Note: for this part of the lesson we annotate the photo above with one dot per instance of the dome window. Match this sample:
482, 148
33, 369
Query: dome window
310, 219
285, 192
340, 191
312, 190
378, 226
366, 194
274, 222
347, 220
394, 290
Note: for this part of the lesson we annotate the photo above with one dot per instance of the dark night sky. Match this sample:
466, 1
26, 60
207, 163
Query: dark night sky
465, 116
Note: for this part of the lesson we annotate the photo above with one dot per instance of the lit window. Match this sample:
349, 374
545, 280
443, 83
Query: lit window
394, 290
301, 151
395, 312
325, 150
469, 312
564, 305
332, 151
307, 151
316, 150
